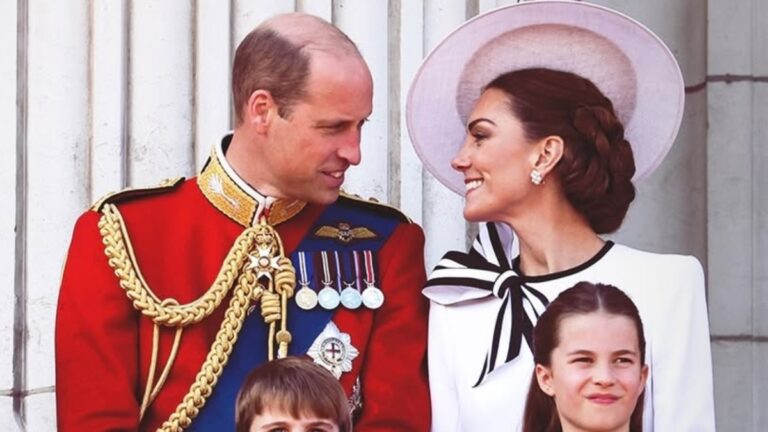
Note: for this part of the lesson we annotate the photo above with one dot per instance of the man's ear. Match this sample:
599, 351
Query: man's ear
544, 378
260, 110
549, 151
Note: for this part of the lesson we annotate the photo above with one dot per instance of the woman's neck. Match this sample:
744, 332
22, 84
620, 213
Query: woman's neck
553, 239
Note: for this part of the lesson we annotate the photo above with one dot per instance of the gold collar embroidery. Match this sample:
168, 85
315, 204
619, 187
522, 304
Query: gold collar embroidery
235, 198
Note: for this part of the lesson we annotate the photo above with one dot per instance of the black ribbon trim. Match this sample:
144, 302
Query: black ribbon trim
513, 292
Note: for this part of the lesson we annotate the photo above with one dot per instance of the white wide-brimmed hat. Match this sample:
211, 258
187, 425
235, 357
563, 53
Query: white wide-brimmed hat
628, 63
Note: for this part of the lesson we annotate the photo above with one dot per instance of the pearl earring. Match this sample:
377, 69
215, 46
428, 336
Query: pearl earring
536, 177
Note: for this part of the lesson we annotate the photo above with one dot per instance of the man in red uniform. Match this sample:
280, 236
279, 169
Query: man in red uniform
171, 295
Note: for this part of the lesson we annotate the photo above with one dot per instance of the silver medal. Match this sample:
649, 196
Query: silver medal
351, 298
306, 298
373, 297
328, 298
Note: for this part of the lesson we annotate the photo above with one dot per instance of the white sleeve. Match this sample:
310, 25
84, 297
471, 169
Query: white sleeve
442, 389
681, 366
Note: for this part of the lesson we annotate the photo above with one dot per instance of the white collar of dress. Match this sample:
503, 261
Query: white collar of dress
486, 270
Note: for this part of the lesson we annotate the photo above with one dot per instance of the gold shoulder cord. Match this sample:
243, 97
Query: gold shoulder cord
256, 268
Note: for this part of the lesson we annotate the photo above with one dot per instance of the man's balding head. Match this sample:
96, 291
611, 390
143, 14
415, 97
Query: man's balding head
312, 33
276, 57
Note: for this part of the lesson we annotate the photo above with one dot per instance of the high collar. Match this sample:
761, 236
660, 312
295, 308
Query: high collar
229, 193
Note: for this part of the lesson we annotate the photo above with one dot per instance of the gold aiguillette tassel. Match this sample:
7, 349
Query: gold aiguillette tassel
276, 274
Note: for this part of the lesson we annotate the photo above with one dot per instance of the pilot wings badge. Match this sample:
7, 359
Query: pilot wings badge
344, 232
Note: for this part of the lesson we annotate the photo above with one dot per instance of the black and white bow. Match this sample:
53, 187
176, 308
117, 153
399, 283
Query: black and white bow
483, 271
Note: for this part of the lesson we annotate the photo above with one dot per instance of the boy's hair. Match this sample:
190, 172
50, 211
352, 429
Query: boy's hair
296, 386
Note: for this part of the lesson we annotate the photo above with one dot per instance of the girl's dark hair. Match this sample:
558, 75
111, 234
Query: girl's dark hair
583, 298
597, 165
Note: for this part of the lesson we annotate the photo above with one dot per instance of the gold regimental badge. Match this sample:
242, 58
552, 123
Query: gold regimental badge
344, 232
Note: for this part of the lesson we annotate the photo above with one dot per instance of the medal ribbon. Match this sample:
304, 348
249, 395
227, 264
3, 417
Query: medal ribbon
338, 270
349, 279
356, 256
327, 281
369, 275
303, 275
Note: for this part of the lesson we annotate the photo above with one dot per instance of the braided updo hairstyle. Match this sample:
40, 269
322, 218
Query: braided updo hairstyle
597, 165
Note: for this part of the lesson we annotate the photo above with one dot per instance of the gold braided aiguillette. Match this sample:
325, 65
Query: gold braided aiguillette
270, 277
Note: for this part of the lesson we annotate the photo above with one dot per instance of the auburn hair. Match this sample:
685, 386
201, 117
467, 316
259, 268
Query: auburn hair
597, 165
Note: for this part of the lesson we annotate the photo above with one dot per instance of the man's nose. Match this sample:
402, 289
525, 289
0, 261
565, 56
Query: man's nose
349, 148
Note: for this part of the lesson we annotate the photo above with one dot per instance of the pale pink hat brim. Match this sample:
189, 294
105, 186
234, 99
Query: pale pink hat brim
626, 61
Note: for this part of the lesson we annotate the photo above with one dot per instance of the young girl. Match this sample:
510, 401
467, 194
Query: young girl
590, 373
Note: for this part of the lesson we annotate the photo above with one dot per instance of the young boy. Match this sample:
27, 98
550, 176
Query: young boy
294, 395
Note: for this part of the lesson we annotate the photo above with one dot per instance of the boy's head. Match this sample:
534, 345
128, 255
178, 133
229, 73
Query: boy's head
293, 394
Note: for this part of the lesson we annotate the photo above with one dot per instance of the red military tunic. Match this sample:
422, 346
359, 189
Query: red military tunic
180, 236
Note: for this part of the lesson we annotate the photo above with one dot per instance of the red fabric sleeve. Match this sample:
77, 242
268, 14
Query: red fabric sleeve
394, 377
96, 341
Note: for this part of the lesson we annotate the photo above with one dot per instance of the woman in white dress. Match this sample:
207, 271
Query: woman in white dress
544, 114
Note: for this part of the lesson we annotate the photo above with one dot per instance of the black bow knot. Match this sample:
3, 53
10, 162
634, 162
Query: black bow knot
494, 274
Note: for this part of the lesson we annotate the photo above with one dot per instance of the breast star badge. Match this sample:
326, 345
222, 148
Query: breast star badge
333, 350
264, 262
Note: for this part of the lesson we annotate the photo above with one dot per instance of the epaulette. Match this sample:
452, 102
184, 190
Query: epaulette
129, 193
375, 205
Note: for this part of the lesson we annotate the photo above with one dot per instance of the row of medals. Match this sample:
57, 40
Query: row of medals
329, 297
